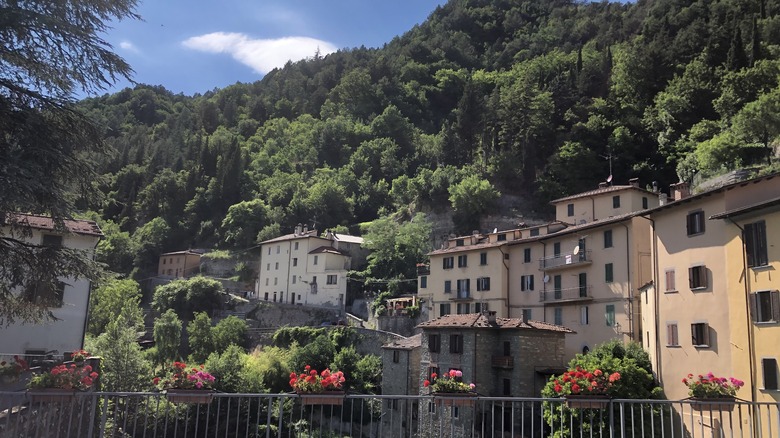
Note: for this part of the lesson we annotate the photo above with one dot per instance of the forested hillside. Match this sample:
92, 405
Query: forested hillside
526, 98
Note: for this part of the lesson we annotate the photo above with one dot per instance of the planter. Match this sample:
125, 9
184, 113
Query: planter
456, 398
713, 404
51, 395
335, 398
587, 401
195, 396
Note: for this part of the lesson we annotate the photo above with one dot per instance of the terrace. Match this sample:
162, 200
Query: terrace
93, 414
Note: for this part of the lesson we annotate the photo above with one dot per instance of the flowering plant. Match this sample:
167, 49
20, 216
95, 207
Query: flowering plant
79, 355
580, 381
312, 381
179, 376
65, 377
709, 386
451, 381
13, 369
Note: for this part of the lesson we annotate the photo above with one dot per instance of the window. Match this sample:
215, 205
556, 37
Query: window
332, 279
507, 348
295, 261
293, 279
276, 281
557, 249
584, 315
434, 343
695, 223
267, 266
700, 334
483, 283
644, 202
464, 308
396, 356
526, 282
583, 284
697, 277
534, 232
480, 307
463, 261
765, 306
755, 244
444, 309
447, 286
769, 365
316, 259
447, 263
671, 335
527, 314
570, 210
501, 237
610, 315
558, 313
164, 260
296, 246
423, 282
266, 281
670, 286
269, 250
456, 344
608, 273
464, 288
507, 383
526, 255
277, 266
608, 239
483, 258
266, 296
616, 201
459, 242
557, 287
277, 249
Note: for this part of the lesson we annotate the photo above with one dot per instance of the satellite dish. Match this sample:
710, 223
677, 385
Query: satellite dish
576, 250
609, 178
546, 279
495, 230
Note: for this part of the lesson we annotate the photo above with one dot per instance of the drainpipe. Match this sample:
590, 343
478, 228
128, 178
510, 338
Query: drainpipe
630, 288
750, 328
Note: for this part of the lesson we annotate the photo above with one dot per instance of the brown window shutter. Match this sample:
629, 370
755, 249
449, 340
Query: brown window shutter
775, 305
754, 307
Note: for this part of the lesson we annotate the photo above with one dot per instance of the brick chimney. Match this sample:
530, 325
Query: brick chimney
491, 316
681, 190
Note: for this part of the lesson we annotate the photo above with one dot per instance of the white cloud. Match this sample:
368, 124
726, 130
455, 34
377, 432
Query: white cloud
130, 47
263, 55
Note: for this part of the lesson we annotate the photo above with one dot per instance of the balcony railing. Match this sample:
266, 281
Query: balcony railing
579, 293
503, 362
150, 415
563, 261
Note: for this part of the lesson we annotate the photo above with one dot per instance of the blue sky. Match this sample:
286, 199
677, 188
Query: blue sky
195, 46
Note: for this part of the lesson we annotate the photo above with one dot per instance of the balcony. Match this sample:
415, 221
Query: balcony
462, 295
131, 415
563, 261
572, 294
423, 269
507, 362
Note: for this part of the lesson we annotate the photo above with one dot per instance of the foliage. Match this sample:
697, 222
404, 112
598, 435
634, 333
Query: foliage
364, 370
108, 299
268, 369
52, 51
230, 331
312, 381
14, 368
286, 336
79, 355
201, 339
167, 336
197, 294
123, 365
65, 377
471, 198
709, 386
227, 368
179, 376
449, 382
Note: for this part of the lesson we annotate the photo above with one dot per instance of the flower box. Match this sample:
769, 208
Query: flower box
712, 404
322, 398
51, 395
594, 401
194, 396
456, 398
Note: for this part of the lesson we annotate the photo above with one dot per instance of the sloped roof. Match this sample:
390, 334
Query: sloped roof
327, 250
293, 236
600, 191
348, 238
480, 245
747, 208
409, 343
479, 320
84, 227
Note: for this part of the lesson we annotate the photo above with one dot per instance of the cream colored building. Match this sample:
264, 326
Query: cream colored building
304, 268
179, 264
702, 300
587, 276
66, 332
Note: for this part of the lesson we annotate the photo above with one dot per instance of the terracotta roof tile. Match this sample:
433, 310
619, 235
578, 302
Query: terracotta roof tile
84, 227
479, 320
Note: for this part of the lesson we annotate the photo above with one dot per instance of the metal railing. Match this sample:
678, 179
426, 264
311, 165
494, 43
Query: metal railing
565, 260
578, 293
286, 415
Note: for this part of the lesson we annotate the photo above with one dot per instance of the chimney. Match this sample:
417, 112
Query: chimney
634, 182
491, 316
305, 229
655, 186
662, 198
298, 229
603, 185
681, 190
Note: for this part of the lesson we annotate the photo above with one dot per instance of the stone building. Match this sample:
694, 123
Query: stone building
400, 373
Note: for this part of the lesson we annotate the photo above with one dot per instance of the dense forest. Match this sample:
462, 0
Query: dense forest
534, 99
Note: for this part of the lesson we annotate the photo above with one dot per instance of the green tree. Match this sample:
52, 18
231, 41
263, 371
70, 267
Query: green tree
396, 248
197, 294
201, 340
52, 51
227, 368
470, 199
149, 241
123, 364
243, 222
230, 331
110, 298
269, 369
167, 337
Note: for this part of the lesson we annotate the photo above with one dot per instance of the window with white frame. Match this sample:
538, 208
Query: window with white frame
447, 286
584, 315
332, 279
316, 259
463, 260
694, 223
483, 284
526, 282
447, 263
700, 334
697, 277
